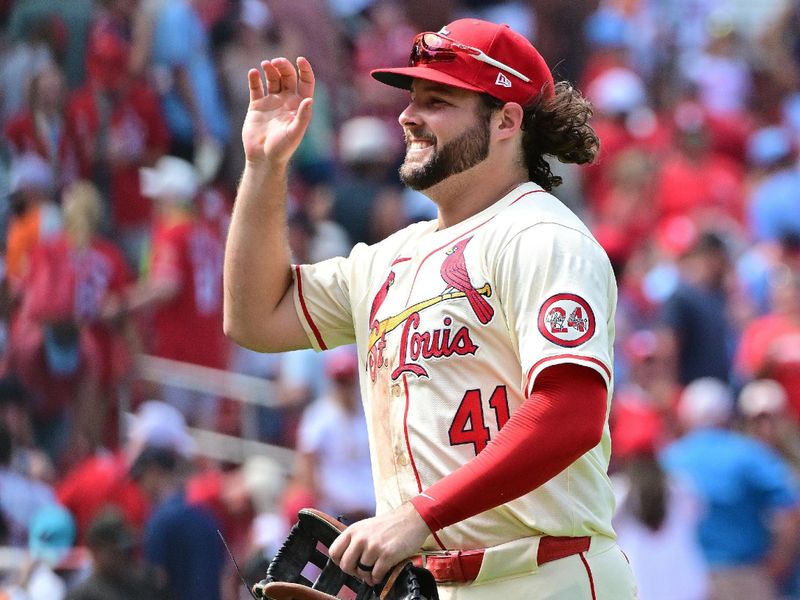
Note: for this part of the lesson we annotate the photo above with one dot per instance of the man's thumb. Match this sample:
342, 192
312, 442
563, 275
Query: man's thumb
302, 118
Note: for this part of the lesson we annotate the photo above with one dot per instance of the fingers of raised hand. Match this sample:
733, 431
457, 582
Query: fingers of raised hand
273, 77
288, 74
342, 553
345, 551
305, 84
256, 87
282, 76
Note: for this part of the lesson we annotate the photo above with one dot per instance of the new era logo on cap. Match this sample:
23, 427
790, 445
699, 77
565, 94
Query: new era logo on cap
502, 80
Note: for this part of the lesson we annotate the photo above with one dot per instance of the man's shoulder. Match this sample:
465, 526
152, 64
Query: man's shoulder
535, 206
32, 488
539, 223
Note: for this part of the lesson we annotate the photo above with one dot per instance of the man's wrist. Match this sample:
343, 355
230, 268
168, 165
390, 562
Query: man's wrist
265, 172
425, 506
266, 167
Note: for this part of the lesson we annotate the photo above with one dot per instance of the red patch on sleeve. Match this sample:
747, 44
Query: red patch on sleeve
566, 320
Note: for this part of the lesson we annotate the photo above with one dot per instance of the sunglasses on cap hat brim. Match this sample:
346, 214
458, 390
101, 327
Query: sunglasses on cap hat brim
474, 55
430, 47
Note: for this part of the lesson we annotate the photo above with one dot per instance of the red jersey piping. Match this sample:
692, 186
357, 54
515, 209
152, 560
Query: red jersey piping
411, 454
306, 314
560, 356
589, 573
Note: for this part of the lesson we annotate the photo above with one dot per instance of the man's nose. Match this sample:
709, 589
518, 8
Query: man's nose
409, 117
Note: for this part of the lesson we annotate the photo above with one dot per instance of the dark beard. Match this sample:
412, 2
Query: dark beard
460, 154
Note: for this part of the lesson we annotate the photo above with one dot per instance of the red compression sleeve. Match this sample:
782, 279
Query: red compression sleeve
562, 419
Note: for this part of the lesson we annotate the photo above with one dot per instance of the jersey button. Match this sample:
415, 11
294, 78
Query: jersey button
402, 460
396, 389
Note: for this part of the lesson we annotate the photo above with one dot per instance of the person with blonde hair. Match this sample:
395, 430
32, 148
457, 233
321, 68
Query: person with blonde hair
82, 210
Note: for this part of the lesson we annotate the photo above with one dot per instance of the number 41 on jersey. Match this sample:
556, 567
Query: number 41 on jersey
469, 424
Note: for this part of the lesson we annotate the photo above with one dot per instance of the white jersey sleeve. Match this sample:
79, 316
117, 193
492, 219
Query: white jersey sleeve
322, 300
330, 296
557, 289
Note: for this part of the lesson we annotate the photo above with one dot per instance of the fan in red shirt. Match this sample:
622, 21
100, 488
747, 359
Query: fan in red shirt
770, 345
696, 179
103, 479
63, 348
120, 128
42, 128
184, 284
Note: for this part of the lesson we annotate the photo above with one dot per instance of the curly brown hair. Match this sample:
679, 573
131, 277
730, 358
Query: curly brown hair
558, 127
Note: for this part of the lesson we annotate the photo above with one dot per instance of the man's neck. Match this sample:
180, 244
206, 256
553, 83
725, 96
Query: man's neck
461, 196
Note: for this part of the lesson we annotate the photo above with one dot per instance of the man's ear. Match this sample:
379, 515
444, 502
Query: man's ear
508, 120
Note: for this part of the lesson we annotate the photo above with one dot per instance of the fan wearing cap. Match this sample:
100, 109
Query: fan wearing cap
184, 282
484, 336
751, 519
51, 557
119, 128
762, 405
770, 344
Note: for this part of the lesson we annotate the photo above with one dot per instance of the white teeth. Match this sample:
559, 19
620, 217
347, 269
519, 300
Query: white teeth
419, 145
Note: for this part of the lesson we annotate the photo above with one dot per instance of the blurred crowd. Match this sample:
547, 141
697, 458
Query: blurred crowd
118, 168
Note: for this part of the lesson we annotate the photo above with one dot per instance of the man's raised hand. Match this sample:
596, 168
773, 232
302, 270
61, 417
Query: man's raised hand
277, 120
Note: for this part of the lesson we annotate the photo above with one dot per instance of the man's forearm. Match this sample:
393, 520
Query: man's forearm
259, 309
532, 448
257, 258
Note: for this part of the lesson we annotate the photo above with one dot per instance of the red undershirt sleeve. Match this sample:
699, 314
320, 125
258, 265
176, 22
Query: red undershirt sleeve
562, 419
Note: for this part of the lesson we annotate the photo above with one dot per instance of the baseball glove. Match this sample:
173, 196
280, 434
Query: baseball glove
302, 570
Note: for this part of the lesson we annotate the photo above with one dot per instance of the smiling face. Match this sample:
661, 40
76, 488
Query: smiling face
446, 132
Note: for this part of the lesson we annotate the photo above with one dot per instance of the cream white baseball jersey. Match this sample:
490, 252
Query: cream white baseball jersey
453, 326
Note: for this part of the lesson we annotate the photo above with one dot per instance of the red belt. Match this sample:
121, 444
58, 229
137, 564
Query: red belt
462, 566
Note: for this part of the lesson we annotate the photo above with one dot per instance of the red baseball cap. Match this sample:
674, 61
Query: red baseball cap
503, 55
107, 58
342, 363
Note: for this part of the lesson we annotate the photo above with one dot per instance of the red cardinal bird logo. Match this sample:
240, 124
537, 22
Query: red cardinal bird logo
378, 300
454, 272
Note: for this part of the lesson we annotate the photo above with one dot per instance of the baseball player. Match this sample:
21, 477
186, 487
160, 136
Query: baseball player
485, 336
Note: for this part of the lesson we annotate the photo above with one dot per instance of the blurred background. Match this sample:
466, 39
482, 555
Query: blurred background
124, 413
